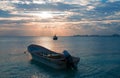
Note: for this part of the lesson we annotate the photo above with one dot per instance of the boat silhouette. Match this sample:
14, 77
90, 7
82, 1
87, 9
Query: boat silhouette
55, 37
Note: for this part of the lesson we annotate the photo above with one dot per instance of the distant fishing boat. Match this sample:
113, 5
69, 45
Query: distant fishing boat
51, 58
55, 37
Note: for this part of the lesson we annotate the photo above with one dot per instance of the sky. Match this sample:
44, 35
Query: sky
61, 17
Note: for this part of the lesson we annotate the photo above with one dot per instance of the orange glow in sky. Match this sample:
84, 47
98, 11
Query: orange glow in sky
60, 17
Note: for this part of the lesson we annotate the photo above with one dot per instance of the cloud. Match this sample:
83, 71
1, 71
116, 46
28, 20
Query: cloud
109, 7
48, 6
72, 16
93, 12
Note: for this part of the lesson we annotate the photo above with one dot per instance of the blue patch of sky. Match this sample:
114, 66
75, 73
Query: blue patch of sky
4, 13
104, 1
110, 7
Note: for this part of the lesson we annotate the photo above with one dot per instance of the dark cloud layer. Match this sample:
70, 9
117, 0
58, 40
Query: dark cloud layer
48, 6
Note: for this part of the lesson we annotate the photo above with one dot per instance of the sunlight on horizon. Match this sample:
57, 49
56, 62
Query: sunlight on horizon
48, 29
47, 42
64, 18
45, 15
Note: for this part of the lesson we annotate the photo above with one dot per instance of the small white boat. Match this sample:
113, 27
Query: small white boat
51, 58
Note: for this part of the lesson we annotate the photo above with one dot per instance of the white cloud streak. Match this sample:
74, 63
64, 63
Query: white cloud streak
75, 16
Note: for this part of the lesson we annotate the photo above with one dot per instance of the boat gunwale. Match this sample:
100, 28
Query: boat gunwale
43, 50
55, 60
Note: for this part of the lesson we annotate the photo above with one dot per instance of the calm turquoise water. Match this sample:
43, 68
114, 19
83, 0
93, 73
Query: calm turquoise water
100, 57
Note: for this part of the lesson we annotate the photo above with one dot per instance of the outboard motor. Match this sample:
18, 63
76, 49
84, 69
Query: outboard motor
68, 57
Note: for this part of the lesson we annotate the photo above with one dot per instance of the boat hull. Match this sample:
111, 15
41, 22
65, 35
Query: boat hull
50, 58
49, 62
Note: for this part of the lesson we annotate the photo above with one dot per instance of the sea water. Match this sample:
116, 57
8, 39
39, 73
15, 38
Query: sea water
99, 57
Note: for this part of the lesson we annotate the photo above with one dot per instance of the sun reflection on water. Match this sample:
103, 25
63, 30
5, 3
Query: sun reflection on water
46, 42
